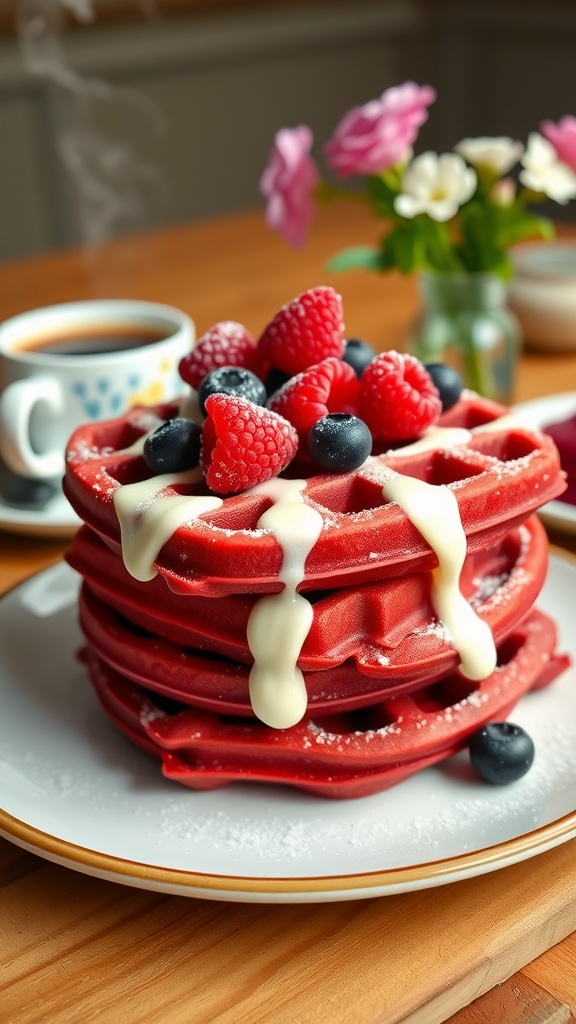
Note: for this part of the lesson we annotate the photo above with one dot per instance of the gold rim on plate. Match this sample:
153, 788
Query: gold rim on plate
499, 855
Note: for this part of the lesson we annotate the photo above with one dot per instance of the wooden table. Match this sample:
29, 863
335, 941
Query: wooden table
75, 948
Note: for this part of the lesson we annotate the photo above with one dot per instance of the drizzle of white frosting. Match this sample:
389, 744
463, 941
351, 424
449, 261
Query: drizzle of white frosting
434, 437
146, 522
137, 446
279, 623
434, 512
509, 421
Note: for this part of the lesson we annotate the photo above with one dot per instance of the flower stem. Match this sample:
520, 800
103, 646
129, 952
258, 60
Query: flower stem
478, 376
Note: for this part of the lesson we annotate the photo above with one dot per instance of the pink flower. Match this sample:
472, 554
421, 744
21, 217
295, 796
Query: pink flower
371, 138
563, 138
287, 183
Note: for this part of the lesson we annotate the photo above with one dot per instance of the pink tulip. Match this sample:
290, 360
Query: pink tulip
371, 138
563, 138
288, 182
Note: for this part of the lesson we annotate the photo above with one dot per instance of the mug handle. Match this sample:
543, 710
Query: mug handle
17, 403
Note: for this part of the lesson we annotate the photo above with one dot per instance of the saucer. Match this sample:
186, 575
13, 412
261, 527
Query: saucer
55, 519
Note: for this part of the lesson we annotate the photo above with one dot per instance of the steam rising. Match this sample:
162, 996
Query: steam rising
100, 129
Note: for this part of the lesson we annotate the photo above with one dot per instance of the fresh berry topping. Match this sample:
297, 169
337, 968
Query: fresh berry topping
304, 331
232, 380
275, 379
339, 442
173, 447
330, 386
225, 344
501, 752
358, 354
448, 381
243, 444
398, 398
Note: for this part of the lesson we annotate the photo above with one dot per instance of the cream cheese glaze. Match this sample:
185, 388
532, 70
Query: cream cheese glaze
279, 623
434, 512
147, 520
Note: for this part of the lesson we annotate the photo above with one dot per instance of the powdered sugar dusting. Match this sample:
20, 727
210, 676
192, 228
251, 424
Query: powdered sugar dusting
467, 820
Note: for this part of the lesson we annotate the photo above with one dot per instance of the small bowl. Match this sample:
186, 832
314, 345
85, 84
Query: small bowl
542, 294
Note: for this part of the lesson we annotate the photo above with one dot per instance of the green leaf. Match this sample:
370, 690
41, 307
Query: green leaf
381, 196
524, 227
403, 244
363, 257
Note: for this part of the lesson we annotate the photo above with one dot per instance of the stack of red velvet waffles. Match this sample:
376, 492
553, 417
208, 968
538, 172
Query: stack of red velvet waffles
232, 647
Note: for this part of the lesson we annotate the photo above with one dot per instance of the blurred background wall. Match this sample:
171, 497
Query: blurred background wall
119, 115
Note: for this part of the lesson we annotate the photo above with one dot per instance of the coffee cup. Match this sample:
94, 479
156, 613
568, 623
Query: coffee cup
64, 365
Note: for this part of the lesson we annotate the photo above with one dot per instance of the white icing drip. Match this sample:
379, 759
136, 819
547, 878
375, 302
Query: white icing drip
137, 447
434, 437
434, 512
510, 421
147, 520
279, 623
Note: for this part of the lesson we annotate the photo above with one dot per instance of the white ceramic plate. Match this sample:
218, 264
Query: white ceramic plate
56, 519
74, 791
537, 414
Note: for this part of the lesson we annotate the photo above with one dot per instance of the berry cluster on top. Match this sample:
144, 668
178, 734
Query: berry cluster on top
301, 391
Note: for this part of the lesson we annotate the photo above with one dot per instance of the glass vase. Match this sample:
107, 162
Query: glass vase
465, 322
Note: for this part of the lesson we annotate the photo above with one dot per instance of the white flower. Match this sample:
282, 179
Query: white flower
436, 185
545, 172
503, 192
499, 154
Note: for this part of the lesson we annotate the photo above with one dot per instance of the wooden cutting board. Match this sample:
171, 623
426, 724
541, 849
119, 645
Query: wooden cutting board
79, 948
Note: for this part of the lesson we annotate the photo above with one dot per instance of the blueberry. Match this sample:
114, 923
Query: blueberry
501, 752
173, 447
358, 354
339, 442
448, 381
275, 379
232, 380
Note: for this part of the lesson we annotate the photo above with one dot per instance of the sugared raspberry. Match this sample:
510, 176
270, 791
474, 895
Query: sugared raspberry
330, 386
303, 332
224, 344
398, 398
243, 444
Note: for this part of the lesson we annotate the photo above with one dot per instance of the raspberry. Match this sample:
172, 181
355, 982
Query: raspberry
243, 444
224, 344
303, 332
330, 386
398, 398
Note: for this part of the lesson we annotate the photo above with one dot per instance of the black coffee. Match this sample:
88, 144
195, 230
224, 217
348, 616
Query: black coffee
95, 340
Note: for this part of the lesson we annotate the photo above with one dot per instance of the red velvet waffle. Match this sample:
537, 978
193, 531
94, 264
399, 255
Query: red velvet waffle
194, 650
337, 755
170, 660
499, 478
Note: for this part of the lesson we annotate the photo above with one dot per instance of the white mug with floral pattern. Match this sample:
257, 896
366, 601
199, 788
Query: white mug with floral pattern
64, 365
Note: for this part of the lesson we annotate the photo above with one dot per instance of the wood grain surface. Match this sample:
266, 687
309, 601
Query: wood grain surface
74, 948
